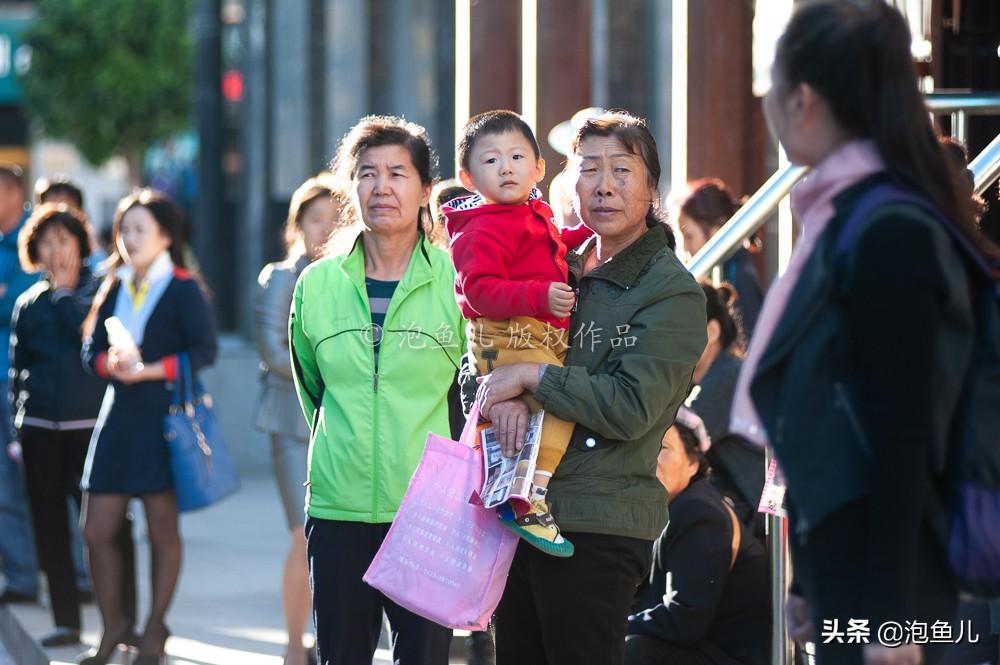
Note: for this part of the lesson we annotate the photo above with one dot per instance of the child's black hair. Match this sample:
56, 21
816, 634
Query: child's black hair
493, 122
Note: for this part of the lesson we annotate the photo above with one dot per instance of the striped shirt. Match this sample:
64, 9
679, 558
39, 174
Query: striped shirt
379, 295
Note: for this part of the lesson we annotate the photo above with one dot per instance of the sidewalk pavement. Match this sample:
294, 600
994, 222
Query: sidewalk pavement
227, 610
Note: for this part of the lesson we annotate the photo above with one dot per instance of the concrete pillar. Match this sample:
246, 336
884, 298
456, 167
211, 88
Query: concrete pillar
725, 121
288, 31
662, 82
404, 76
496, 55
347, 67
256, 170
564, 58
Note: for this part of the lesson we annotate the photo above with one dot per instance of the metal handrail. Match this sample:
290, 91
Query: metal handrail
986, 166
745, 221
762, 205
973, 103
961, 105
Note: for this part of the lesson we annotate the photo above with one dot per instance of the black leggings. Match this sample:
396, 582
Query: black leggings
348, 613
53, 464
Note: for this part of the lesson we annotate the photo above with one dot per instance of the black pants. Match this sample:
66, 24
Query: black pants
348, 613
830, 565
571, 611
53, 464
645, 650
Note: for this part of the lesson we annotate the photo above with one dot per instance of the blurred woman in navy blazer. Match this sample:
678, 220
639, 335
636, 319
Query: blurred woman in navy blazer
165, 311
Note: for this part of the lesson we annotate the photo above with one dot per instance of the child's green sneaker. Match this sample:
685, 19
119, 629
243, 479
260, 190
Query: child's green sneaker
538, 528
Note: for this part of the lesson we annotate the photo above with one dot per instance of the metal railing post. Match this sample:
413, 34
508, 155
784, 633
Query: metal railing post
782, 649
986, 166
960, 126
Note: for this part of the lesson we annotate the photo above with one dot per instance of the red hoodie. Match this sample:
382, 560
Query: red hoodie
506, 256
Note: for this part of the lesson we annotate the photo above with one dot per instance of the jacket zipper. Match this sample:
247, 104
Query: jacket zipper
375, 446
377, 357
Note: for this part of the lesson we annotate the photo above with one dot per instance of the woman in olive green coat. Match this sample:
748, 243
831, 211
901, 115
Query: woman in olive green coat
638, 330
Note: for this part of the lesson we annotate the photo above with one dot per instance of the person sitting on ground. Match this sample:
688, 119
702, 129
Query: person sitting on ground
738, 466
511, 282
707, 599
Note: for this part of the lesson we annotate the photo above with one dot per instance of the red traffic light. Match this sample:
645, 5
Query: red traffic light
232, 85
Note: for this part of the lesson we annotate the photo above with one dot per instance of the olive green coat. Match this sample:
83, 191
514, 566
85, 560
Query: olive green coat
638, 332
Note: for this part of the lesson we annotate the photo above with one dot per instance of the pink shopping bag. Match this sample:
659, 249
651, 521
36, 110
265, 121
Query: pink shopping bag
446, 557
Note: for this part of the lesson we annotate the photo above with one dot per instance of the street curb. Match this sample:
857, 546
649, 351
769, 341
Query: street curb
22, 648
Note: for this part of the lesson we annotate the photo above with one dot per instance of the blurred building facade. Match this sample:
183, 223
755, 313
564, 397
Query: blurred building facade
312, 68
278, 82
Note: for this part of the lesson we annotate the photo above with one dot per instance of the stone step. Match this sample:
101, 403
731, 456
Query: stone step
16, 646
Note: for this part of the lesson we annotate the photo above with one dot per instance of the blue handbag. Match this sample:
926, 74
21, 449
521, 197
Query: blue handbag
203, 470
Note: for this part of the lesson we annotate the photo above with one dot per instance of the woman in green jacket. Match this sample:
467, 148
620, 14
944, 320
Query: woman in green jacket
376, 341
636, 335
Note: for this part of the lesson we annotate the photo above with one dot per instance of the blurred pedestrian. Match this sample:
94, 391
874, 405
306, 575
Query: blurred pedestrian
17, 549
165, 312
376, 341
707, 600
313, 214
860, 353
55, 401
444, 192
703, 209
58, 189
561, 200
638, 330
957, 154
61, 189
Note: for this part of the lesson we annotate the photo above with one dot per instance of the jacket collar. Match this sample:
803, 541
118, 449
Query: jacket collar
477, 201
625, 268
418, 271
161, 268
811, 294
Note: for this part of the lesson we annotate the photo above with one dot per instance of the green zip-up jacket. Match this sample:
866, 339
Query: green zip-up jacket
635, 338
368, 429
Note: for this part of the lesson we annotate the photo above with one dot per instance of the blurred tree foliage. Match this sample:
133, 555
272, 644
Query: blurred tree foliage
110, 76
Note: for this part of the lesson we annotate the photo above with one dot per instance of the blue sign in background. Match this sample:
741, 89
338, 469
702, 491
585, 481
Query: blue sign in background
14, 57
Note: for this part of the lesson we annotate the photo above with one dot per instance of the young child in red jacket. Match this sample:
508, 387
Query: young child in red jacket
511, 285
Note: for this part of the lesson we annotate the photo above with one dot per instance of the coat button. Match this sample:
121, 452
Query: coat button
591, 443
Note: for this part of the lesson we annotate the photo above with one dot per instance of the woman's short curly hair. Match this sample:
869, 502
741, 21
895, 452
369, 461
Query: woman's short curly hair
46, 217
